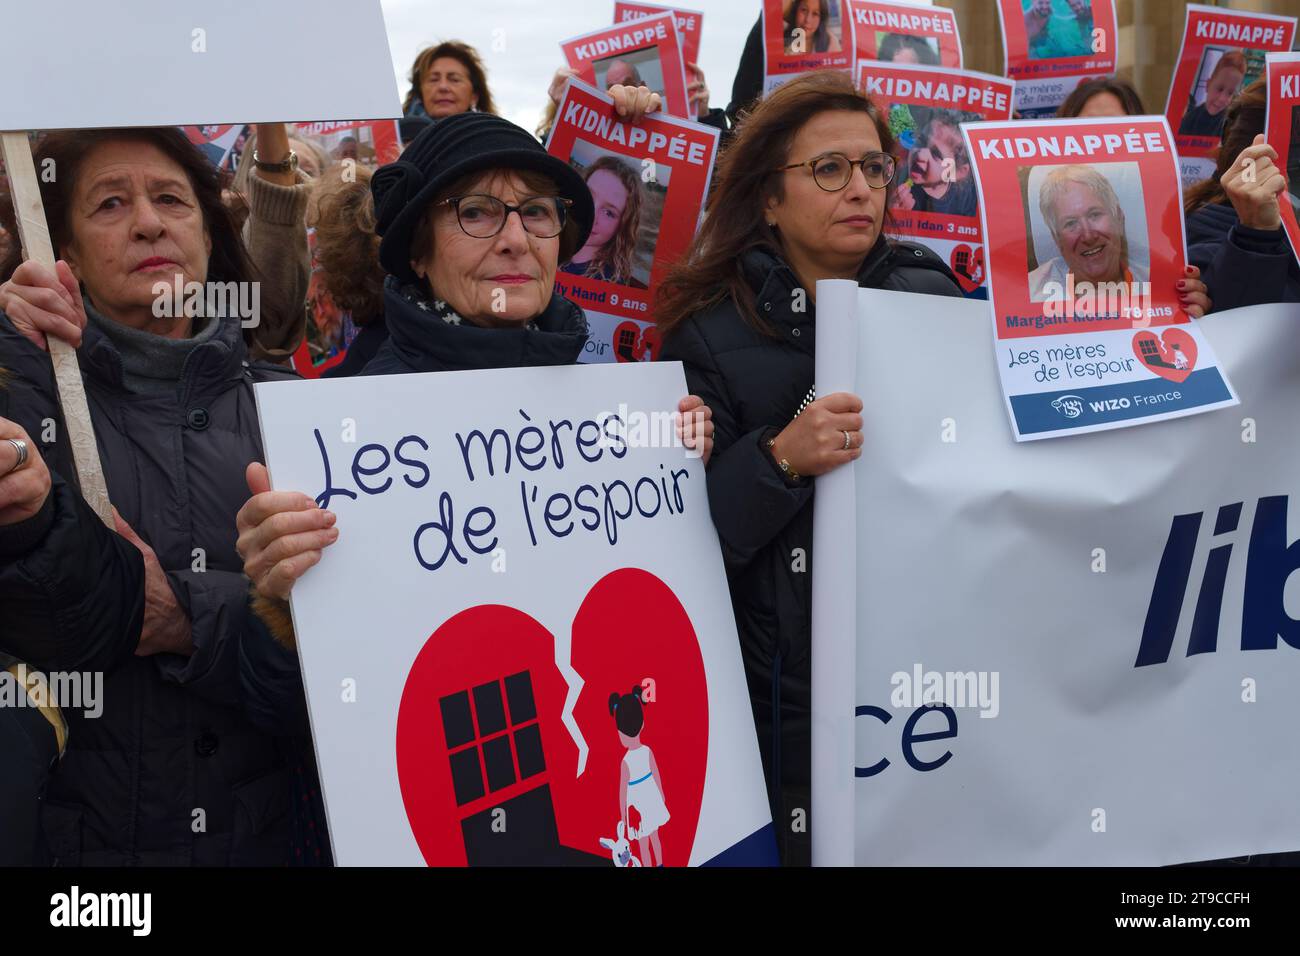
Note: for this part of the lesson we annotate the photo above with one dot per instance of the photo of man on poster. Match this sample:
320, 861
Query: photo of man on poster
1058, 28
1082, 211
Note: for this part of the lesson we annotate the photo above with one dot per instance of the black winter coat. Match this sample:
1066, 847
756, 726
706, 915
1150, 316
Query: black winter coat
754, 384
1241, 266
172, 739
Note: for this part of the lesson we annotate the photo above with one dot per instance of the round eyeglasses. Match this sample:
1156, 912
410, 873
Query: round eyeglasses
832, 171
482, 217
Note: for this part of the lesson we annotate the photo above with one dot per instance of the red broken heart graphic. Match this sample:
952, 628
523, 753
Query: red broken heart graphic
633, 343
1172, 356
968, 266
487, 769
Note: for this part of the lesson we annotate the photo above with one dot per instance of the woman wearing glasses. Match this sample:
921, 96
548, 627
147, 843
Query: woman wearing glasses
475, 219
800, 195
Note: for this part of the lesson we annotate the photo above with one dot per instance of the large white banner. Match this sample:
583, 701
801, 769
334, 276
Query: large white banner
1069, 652
516, 548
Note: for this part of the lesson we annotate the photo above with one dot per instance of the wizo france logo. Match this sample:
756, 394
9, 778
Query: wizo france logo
1071, 406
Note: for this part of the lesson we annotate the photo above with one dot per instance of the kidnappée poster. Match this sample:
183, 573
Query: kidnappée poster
1222, 53
649, 181
1084, 257
1282, 132
1051, 46
935, 201
690, 23
646, 52
904, 33
543, 669
804, 35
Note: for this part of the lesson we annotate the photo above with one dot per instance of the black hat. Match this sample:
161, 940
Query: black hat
450, 149
412, 126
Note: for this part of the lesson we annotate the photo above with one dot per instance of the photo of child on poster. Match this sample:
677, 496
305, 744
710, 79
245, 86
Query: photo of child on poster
1282, 132
803, 35
648, 182
1090, 328
894, 32
1050, 46
645, 51
1223, 51
621, 246
934, 200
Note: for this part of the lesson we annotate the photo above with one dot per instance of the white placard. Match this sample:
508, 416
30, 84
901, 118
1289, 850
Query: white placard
85, 64
582, 555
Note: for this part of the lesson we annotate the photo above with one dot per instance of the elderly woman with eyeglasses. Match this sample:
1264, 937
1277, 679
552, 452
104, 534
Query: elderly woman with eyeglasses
800, 195
475, 220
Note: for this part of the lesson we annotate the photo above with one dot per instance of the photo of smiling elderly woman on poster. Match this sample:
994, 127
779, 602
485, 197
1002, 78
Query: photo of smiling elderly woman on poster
1079, 226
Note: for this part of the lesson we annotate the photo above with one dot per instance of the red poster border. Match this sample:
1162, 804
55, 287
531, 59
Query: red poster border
1278, 129
670, 57
1006, 240
778, 63
1017, 64
864, 46
690, 38
1189, 60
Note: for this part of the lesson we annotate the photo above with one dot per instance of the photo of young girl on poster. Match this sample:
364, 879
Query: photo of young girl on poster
803, 35
648, 182
1223, 51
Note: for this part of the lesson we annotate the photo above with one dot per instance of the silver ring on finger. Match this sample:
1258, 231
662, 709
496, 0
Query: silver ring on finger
848, 441
20, 446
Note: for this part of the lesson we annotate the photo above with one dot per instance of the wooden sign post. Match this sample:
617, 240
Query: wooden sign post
29, 212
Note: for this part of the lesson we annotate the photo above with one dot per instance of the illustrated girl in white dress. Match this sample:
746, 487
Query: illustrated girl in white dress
639, 783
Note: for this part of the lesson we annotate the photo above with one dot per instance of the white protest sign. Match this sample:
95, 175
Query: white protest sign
1076, 652
83, 64
516, 546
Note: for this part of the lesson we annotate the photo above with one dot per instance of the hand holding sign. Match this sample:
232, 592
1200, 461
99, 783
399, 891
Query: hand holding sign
41, 303
1253, 185
281, 535
634, 102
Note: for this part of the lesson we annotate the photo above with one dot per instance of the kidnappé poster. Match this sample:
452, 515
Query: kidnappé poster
934, 201
1050, 46
690, 23
520, 650
649, 181
645, 52
1282, 132
1084, 255
904, 33
804, 35
1222, 53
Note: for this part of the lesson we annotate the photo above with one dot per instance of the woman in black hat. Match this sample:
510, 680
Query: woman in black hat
475, 219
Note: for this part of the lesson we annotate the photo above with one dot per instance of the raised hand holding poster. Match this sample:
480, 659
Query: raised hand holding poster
1089, 329
520, 650
644, 52
904, 33
649, 181
1050, 46
804, 35
1282, 132
935, 201
690, 23
1222, 53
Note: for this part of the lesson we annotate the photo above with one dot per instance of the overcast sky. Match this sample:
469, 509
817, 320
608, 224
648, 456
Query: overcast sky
527, 35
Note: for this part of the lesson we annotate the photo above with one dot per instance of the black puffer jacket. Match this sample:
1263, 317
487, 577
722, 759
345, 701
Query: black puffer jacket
1241, 266
171, 740
754, 385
